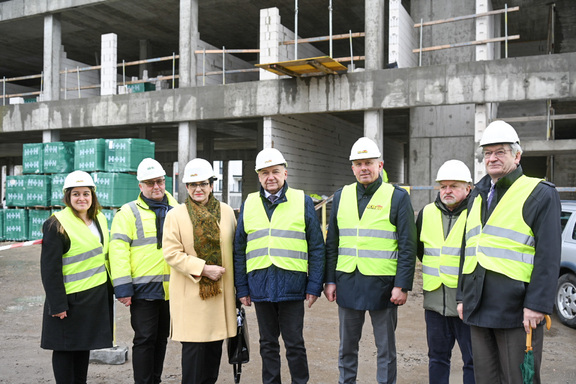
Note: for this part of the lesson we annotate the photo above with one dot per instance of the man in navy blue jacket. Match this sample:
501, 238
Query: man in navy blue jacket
279, 263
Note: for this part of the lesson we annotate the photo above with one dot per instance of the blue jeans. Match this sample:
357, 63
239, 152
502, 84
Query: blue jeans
442, 333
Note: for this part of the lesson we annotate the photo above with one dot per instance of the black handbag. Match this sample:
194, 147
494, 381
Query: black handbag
239, 345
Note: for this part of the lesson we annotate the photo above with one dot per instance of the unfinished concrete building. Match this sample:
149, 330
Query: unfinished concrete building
421, 77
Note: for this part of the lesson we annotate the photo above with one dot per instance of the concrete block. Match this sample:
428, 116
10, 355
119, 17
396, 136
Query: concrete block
111, 356
16, 100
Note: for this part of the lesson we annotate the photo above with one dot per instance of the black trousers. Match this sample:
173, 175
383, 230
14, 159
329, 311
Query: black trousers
70, 367
284, 318
150, 320
201, 362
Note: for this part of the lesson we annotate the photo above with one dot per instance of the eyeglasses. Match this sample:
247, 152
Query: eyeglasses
499, 153
196, 185
151, 183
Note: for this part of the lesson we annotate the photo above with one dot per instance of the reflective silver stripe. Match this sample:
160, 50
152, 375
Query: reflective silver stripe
144, 241
347, 232
166, 278
373, 254
256, 252
148, 279
85, 274
452, 251
507, 254
122, 280
277, 252
139, 226
288, 234
449, 270
431, 251
473, 232
378, 233
430, 271
470, 251
122, 237
81, 257
258, 234
509, 234
347, 251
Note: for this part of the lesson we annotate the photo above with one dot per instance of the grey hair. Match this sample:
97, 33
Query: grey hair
515, 147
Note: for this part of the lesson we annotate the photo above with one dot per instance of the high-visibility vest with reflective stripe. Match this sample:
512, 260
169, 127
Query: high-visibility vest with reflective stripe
506, 243
441, 259
280, 241
138, 231
371, 243
84, 265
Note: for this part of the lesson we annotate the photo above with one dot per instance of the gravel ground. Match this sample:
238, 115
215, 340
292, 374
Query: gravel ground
23, 362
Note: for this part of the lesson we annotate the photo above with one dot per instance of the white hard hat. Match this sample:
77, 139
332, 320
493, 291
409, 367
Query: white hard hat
78, 179
454, 170
269, 157
149, 169
365, 148
499, 132
198, 170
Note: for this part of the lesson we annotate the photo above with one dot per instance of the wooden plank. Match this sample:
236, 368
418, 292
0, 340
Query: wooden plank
297, 68
466, 44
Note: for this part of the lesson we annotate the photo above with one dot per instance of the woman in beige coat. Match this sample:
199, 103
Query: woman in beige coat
197, 243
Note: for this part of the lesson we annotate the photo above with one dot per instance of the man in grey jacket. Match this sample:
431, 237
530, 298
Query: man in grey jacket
440, 228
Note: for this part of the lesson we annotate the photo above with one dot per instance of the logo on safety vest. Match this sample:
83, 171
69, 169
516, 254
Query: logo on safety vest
376, 207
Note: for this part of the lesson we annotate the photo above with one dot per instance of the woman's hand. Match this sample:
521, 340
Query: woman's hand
213, 272
61, 315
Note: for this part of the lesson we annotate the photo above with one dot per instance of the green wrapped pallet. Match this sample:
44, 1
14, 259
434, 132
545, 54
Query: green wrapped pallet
16, 224
109, 214
58, 157
16, 191
2, 224
169, 182
124, 155
89, 155
56, 194
36, 219
115, 189
38, 190
33, 158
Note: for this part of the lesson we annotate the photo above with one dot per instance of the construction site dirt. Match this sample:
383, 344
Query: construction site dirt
24, 362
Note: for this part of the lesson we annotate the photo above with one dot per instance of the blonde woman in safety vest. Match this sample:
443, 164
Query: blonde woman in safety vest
279, 263
370, 258
440, 228
73, 264
512, 259
139, 272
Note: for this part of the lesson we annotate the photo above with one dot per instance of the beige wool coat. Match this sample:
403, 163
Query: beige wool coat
193, 319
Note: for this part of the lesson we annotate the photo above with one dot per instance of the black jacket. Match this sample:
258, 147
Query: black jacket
355, 290
493, 300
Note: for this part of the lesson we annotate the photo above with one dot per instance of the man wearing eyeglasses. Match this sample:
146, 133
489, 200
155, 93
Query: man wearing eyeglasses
139, 272
279, 263
512, 258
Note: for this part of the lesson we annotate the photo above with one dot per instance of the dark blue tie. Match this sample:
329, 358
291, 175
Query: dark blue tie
491, 196
272, 198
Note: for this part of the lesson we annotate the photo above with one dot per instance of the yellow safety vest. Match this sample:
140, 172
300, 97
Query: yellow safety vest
134, 254
84, 265
441, 259
280, 241
371, 243
506, 243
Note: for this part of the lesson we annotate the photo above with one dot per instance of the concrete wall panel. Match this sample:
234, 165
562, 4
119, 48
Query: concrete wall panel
445, 121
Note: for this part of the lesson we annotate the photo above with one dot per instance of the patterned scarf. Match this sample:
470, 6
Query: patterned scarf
205, 220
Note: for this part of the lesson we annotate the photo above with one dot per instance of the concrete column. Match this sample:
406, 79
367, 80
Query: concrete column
144, 53
109, 63
374, 27
270, 27
50, 136
52, 44
187, 150
374, 127
225, 170
189, 38
484, 30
